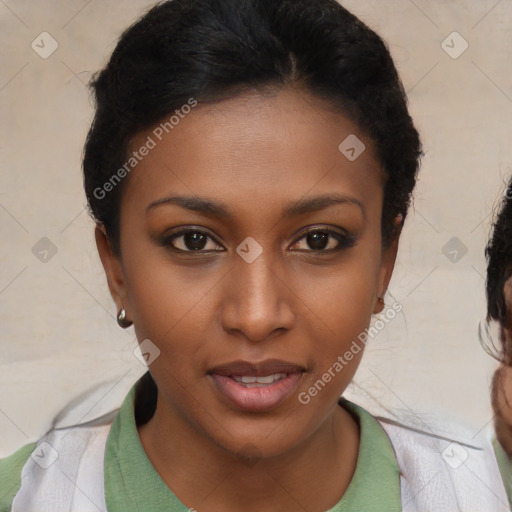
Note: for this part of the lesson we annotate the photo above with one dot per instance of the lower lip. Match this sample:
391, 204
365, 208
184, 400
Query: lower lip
256, 399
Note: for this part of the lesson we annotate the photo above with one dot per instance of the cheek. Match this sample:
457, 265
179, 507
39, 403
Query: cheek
159, 289
502, 394
339, 310
345, 295
170, 305
342, 303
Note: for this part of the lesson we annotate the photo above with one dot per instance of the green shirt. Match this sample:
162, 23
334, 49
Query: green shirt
505, 465
132, 483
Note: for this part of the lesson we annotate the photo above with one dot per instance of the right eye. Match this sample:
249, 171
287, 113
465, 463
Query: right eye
190, 241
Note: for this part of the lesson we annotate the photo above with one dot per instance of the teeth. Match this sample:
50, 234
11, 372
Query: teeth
246, 380
256, 382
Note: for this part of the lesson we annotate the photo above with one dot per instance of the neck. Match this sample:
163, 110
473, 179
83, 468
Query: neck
313, 475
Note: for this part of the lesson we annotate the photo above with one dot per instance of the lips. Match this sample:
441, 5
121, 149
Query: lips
256, 386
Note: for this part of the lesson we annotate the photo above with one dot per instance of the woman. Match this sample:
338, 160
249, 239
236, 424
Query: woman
499, 310
249, 168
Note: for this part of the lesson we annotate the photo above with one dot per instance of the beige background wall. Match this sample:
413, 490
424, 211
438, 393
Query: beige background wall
59, 335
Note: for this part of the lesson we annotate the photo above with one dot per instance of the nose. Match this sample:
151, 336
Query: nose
258, 302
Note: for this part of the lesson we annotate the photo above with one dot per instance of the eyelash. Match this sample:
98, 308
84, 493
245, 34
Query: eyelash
344, 241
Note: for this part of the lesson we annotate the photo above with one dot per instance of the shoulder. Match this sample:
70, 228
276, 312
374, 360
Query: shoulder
10, 474
457, 469
74, 445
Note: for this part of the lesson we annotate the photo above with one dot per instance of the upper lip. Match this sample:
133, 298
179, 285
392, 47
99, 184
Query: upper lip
261, 369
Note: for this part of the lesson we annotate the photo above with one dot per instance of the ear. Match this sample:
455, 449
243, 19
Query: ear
388, 264
112, 267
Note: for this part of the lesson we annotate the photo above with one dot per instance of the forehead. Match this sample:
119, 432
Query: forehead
255, 151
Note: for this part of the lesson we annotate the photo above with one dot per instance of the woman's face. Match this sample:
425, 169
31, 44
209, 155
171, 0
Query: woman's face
507, 293
502, 381
229, 281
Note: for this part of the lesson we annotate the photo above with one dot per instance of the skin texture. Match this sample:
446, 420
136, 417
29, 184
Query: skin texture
255, 153
502, 384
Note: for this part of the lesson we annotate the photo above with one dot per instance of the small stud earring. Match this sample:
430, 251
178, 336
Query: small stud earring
381, 300
122, 320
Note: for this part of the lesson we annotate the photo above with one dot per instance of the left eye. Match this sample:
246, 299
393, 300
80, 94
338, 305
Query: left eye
326, 240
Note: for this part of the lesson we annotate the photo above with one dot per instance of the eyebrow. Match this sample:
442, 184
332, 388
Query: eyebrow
213, 208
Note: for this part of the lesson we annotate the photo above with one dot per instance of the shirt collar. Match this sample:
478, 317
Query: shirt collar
132, 483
